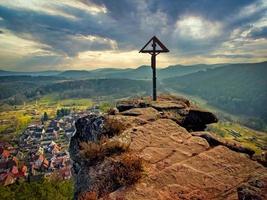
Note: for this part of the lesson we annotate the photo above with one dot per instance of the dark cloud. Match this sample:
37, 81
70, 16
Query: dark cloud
130, 23
258, 33
55, 31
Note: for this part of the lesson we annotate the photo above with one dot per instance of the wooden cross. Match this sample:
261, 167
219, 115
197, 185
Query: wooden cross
155, 42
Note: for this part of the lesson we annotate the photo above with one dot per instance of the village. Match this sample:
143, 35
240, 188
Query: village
42, 150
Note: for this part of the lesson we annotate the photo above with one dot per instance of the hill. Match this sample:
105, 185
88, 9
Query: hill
18, 89
96, 88
237, 88
181, 70
41, 73
75, 74
140, 73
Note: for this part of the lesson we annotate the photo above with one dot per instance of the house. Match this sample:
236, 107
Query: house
45, 164
49, 130
5, 154
38, 161
65, 173
40, 151
7, 179
23, 170
14, 170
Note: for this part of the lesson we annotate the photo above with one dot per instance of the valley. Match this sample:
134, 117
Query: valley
25, 97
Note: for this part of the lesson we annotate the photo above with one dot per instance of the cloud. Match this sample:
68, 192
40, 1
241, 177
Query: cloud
12, 44
55, 7
197, 28
258, 33
116, 59
64, 31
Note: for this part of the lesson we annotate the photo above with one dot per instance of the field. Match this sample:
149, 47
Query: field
247, 137
17, 118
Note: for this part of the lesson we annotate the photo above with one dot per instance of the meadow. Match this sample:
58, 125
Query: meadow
17, 118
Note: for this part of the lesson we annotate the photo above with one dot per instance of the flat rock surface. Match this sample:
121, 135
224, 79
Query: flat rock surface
179, 165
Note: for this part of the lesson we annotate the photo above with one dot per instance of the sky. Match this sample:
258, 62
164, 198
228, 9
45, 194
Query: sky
38, 35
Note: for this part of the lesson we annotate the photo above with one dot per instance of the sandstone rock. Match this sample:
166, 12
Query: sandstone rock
174, 99
176, 164
132, 103
212, 174
91, 149
197, 119
88, 128
215, 140
170, 107
254, 189
148, 114
113, 111
164, 106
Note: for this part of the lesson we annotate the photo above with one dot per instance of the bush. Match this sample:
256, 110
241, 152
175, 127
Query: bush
87, 196
113, 127
111, 141
130, 170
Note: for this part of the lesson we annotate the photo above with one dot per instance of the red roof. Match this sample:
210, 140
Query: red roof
23, 169
8, 179
46, 163
5, 154
14, 170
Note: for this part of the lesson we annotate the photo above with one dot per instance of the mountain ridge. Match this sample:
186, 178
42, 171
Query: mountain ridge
194, 68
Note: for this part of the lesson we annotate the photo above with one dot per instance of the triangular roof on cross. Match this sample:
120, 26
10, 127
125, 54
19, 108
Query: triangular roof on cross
156, 41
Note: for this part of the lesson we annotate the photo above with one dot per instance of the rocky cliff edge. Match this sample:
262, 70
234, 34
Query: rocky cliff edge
159, 150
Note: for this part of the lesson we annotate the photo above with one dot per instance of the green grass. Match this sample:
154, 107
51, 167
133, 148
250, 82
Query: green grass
255, 140
14, 121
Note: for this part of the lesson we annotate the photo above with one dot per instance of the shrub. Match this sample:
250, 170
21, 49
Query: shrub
113, 127
87, 196
124, 170
112, 141
130, 169
91, 150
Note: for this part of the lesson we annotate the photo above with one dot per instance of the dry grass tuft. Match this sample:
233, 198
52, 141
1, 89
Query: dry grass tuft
130, 169
87, 196
112, 141
91, 150
113, 127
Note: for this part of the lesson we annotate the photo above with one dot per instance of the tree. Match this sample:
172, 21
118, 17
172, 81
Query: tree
45, 116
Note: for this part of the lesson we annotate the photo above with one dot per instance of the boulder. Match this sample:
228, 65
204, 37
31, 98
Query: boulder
197, 119
254, 189
99, 167
131, 103
176, 108
148, 113
215, 140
